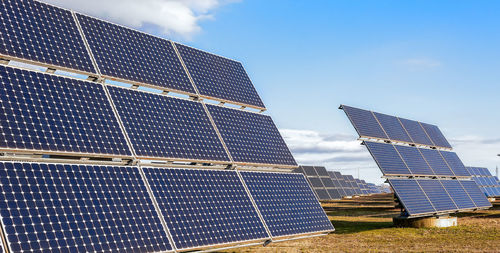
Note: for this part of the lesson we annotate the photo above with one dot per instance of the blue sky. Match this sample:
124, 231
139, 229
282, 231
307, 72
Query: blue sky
433, 61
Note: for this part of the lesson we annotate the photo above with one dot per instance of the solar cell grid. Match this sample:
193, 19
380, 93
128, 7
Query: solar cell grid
412, 197
475, 193
219, 77
321, 171
43, 33
251, 137
334, 194
165, 127
387, 158
204, 207
455, 163
414, 160
458, 194
127, 54
416, 132
55, 114
309, 170
322, 194
435, 135
392, 127
78, 208
436, 161
437, 194
364, 122
286, 203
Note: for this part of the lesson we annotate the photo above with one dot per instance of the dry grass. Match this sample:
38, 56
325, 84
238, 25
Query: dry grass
369, 229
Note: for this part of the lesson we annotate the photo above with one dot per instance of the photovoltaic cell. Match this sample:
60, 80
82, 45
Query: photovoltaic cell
43, 33
46, 112
437, 195
327, 182
392, 127
364, 122
412, 197
321, 171
286, 203
204, 207
219, 77
165, 127
436, 135
322, 194
454, 162
316, 182
416, 132
475, 194
334, 194
78, 208
436, 161
414, 160
387, 158
458, 194
309, 170
251, 137
131, 55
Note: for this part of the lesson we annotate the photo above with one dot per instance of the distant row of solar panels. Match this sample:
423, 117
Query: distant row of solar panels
489, 184
329, 185
48, 113
94, 208
425, 180
376, 125
46, 35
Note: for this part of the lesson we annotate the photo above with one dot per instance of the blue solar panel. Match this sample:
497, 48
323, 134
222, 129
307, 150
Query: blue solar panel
219, 77
54, 114
411, 196
127, 54
334, 193
286, 203
321, 171
364, 122
309, 170
416, 132
205, 207
454, 162
392, 127
387, 158
43, 33
436, 161
414, 160
458, 194
78, 208
437, 194
322, 193
251, 137
475, 194
436, 135
165, 127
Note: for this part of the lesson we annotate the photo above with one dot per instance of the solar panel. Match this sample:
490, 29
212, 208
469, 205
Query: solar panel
315, 182
165, 127
436, 161
336, 182
455, 164
475, 194
416, 132
322, 194
392, 127
414, 160
78, 208
321, 171
204, 207
286, 203
39, 32
219, 77
364, 122
487, 183
458, 194
49, 113
327, 182
411, 196
130, 55
437, 194
334, 194
436, 135
387, 158
250, 137
309, 170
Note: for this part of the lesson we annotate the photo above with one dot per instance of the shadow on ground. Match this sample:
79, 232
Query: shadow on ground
351, 227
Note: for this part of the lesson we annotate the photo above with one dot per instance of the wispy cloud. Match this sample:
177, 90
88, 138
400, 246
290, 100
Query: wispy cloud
421, 63
170, 17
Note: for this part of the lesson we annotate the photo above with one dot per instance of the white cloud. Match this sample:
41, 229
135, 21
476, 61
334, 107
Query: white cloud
421, 63
172, 17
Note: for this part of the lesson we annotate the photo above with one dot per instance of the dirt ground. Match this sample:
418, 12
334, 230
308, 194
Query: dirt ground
365, 225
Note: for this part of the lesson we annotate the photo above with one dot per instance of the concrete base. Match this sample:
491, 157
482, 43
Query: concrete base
425, 222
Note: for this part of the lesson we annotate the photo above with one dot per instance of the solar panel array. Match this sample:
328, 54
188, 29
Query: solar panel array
427, 180
95, 205
489, 184
370, 124
320, 181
